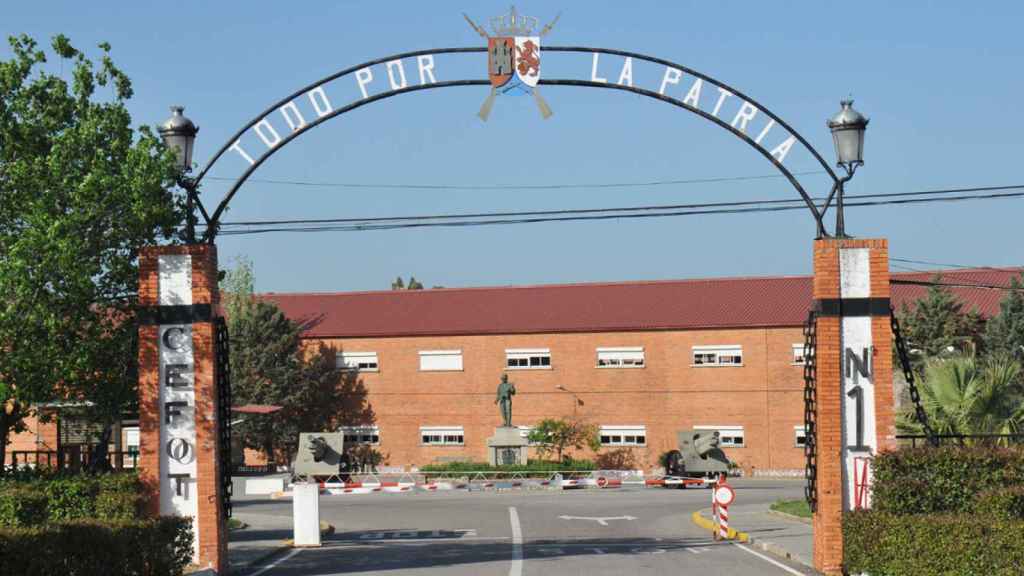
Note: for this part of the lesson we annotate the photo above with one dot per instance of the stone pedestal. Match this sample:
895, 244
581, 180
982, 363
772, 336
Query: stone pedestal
506, 447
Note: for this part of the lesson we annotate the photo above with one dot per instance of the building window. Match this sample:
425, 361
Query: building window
528, 359
801, 436
620, 357
623, 435
718, 355
442, 436
361, 361
728, 436
435, 360
798, 353
361, 435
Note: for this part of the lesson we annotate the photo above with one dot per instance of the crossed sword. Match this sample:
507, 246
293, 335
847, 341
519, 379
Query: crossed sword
542, 104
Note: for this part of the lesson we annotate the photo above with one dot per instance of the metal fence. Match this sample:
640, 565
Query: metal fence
70, 460
914, 440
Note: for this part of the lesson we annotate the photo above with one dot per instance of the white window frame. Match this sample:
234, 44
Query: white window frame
357, 361
621, 357
799, 432
455, 356
528, 354
621, 435
373, 432
728, 350
446, 435
727, 435
798, 354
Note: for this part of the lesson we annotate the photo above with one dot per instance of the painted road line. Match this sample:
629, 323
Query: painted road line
765, 558
274, 564
516, 569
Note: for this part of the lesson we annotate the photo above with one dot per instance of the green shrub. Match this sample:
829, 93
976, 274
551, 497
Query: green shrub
157, 547
20, 506
1002, 503
28, 500
947, 479
882, 543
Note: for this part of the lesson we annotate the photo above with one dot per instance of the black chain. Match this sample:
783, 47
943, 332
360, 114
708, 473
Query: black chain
908, 374
223, 346
810, 406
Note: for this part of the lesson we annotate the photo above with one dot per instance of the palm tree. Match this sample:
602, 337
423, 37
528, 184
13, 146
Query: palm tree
964, 395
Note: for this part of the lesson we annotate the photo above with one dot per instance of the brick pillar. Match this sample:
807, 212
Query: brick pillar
178, 427
851, 295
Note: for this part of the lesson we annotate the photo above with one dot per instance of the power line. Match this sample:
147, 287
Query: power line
396, 186
942, 264
955, 285
391, 223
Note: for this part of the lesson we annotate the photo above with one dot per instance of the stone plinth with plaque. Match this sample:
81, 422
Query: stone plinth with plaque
507, 447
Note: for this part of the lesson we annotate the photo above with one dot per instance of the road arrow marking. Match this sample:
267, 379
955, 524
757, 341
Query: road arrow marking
602, 521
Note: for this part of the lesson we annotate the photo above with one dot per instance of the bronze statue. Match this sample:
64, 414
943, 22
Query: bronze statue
504, 400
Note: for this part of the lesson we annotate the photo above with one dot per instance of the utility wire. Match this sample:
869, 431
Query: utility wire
361, 224
942, 264
396, 186
955, 284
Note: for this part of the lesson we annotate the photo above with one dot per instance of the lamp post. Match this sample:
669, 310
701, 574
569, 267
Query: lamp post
179, 134
575, 399
847, 128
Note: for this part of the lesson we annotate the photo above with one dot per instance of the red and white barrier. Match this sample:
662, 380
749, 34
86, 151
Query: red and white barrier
722, 496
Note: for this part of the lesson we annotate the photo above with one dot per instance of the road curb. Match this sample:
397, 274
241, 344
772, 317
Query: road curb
763, 545
792, 517
708, 525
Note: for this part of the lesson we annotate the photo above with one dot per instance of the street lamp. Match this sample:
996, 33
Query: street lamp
847, 128
179, 134
575, 399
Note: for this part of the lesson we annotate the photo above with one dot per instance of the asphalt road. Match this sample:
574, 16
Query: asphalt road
591, 532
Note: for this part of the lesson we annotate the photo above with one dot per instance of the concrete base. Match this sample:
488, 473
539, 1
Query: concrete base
306, 514
506, 447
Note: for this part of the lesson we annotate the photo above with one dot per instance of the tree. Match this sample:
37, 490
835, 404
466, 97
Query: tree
80, 192
269, 365
1004, 333
965, 395
413, 284
937, 324
553, 435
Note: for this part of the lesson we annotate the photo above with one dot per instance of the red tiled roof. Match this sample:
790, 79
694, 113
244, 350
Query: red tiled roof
598, 307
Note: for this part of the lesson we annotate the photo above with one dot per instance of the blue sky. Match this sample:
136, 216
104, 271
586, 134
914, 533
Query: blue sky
940, 81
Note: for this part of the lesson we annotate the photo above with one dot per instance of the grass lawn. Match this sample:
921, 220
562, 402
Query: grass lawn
794, 507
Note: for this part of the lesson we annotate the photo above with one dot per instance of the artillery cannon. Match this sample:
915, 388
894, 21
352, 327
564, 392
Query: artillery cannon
320, 454
698, 456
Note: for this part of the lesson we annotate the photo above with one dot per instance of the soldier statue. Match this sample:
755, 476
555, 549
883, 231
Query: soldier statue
504, 400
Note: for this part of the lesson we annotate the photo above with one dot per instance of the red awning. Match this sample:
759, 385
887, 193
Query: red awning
255, 409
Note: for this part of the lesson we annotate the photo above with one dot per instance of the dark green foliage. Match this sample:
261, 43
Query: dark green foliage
881, 543
156, 547
30, 501
532, 465
938, 322
1003, 503
947, 479
1004, 333
270, 366
22, 506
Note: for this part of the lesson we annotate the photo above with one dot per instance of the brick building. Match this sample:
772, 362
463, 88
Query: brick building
639, 359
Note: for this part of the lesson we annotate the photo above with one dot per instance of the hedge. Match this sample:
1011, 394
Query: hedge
881, 543
1002, 503
156, 547
532, 466
34, 500
947, 479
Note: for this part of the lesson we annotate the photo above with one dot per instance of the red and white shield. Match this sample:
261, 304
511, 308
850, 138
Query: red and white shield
527, 59
499, 60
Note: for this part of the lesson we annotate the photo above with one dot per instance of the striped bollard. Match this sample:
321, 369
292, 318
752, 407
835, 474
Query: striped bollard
722, 495
723, 522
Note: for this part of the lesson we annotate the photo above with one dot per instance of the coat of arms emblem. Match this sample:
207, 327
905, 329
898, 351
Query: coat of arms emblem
513, 58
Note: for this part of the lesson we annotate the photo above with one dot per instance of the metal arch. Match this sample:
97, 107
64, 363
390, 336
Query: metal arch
213, 222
